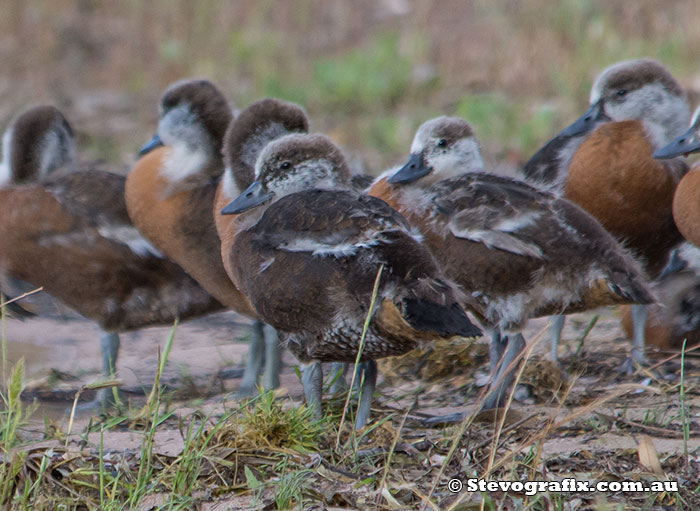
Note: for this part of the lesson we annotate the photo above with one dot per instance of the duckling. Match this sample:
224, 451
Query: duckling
603, 162
310, 253
170, 194
515, 251
66, 229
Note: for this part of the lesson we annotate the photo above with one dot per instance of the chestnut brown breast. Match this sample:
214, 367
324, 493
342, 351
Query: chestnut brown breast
614, 177
227, 227
686, 206
181, 224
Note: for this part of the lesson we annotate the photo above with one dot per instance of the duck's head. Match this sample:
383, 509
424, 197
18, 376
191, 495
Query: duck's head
686, 143
36, 143
442, 148
194, 116
642, 90
292, 164
249, 133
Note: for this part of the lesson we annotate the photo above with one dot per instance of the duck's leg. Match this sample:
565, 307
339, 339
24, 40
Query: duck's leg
273, 359
109, 345
368, 376
556, 326
312, 380
639, 321
338, 371
255, 359
515, 345
497, 347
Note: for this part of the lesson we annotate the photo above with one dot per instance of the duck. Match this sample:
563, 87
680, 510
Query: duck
309, 254
603, 162
170, 193
515, 251
675, 317
66, 229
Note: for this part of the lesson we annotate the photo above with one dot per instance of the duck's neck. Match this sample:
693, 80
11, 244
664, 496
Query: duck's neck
185, 163
669, 121
230, 186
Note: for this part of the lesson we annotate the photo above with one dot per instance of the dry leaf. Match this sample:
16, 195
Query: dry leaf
648, 455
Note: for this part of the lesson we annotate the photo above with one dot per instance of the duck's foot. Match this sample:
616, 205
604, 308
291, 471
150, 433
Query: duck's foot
245, 392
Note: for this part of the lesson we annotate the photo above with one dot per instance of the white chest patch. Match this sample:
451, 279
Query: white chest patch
183, 162
228, 185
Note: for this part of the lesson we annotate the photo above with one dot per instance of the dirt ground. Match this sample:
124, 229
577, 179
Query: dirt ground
585, 439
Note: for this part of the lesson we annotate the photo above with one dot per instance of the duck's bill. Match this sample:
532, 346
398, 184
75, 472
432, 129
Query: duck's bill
414, 169
252, 197
688, 142
151, 145
585, 123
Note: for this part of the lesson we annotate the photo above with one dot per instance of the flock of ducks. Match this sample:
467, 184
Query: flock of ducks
254, 214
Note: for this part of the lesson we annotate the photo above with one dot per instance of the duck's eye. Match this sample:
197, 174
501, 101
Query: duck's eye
620, 93
442, 143
285, 165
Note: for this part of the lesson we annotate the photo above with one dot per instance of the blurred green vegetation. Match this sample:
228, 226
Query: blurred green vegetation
368, 71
